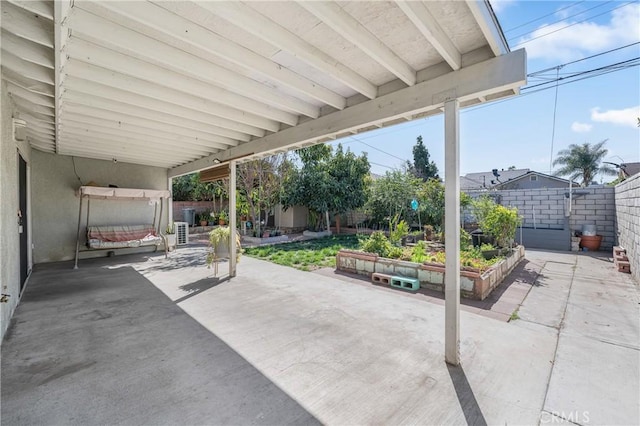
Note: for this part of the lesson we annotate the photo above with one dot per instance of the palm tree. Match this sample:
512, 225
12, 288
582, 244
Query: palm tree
583, 161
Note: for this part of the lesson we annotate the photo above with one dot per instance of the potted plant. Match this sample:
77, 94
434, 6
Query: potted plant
213, 218
223, 218
170, 235
219, 245
203, 218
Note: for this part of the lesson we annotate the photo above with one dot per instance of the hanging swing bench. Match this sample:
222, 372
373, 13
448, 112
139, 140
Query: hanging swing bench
110, 237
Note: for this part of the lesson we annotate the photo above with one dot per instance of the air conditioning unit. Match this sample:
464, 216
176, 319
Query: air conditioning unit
182, 233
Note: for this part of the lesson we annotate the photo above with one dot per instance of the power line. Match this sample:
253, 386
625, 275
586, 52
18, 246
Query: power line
563, 19
375, 135
544, 16
545, 88
378, 149
617, 64
381, 165
583, 59
571, 25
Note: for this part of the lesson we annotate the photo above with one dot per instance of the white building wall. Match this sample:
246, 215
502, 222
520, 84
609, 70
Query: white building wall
55, 204
9, 205
293, 217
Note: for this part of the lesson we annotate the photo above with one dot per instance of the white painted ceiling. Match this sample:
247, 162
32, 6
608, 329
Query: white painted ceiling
166, 83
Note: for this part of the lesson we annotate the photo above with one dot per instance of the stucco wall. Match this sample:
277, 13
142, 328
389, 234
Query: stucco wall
628, 220
9, 205
55, 204
293, 217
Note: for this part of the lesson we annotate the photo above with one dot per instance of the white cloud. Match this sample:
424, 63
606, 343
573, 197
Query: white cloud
581, 127
584, 38
500, 5
624, 117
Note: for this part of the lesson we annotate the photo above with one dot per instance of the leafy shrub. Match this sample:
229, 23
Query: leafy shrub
419, 252
501, 223
377, 243
395, 252
465, 239
486, 247
481, 207
399, 231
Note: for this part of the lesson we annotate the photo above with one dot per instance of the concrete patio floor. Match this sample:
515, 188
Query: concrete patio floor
286, 346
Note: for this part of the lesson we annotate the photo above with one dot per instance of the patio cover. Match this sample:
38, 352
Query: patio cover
190, 85
180, 84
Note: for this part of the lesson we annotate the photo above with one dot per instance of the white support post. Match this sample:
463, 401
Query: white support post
170, 203
452, 231
233, 255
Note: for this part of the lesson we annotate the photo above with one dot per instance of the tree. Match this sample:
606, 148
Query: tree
260, 183
327, 182
391, 195
432, 203
583, 161
422, 167
511, 168
189, 188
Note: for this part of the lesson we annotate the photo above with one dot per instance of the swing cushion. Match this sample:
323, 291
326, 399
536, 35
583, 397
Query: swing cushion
117, 236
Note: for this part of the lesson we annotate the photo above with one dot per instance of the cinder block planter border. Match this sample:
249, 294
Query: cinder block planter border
473, 284
316, 234
268, 240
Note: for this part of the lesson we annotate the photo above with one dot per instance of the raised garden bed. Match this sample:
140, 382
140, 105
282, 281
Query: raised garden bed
473, 283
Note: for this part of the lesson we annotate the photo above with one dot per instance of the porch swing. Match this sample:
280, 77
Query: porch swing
110, 237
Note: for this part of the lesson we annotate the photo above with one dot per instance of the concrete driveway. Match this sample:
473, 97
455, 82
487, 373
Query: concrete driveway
279, 345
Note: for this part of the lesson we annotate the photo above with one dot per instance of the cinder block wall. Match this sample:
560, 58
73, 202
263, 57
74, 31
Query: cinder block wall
545, 208
598, 208
539, 208
627, 208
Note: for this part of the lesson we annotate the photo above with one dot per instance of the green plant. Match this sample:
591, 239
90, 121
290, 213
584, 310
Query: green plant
170, 229
219, 241
465, 239
377, 243
398, 231
395, 252
419, 252
223, 216
501, 223
514, 316
486, 247
481, 207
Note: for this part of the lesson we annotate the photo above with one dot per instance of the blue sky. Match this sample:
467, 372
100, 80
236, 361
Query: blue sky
518, 132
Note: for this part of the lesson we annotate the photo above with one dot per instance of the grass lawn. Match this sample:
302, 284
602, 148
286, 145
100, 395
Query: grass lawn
305, 255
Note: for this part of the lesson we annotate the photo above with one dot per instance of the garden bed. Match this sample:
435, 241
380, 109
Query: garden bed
473, 283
